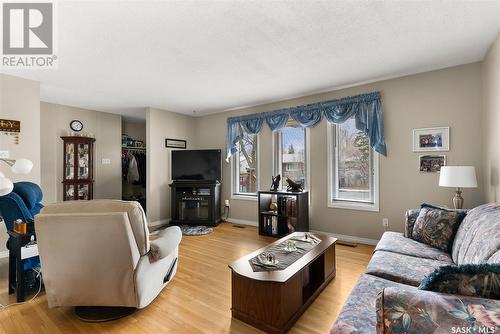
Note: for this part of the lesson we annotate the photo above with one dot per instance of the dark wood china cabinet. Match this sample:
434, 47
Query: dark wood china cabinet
78, 172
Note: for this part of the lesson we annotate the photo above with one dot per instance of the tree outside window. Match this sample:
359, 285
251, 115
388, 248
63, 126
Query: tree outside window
247, 164
353, 180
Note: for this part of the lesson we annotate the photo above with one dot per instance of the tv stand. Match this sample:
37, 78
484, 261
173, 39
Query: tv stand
195, 203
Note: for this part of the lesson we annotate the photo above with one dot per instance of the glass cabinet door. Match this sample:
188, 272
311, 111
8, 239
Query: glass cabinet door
70, 161
69, 192
83, 161
194, 208
83, 191
77, 170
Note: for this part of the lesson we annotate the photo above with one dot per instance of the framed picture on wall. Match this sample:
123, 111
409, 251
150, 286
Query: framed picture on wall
175, 143
431, 139
431, 163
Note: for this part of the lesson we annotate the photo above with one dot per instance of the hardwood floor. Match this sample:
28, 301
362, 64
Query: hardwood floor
199, 298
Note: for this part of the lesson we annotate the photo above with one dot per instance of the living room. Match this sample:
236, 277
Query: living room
342, 108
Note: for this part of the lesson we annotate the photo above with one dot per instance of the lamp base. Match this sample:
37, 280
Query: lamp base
458, 201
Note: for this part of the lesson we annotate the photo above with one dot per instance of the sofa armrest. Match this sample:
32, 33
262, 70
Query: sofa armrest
168, 240
410, 219
417, 311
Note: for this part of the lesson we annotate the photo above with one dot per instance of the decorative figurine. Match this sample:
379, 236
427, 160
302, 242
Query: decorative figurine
294, 186
276, 182
273, 206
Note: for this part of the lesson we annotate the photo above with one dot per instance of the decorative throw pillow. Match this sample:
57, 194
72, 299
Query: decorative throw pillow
478, 280
436, 227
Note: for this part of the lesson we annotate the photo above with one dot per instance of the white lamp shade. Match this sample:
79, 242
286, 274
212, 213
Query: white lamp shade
458, 177
6, 186
22, 166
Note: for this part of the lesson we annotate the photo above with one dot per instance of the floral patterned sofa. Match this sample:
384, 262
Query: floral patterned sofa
387, 298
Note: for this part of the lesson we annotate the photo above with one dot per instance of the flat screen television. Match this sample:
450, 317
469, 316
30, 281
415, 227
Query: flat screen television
196, 165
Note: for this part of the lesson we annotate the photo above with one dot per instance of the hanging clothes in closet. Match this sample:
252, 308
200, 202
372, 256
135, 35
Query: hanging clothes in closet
134, 167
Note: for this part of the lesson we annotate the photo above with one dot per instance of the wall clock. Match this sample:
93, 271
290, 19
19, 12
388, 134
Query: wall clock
76, 125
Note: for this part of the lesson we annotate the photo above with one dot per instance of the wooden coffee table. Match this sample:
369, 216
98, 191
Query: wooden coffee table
273, 300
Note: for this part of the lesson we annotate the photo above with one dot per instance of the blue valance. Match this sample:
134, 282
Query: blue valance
365, 108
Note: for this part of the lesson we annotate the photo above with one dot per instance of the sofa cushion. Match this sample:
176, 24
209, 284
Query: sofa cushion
397, 243
478, 237
479, 280
358, 314
410, 219
415, 311
402, 268
437, 227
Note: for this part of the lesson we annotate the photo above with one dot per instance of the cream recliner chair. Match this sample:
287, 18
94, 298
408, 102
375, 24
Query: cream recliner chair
98, 253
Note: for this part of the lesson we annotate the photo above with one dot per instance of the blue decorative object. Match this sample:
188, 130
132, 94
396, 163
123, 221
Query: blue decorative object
366, 108
24, 202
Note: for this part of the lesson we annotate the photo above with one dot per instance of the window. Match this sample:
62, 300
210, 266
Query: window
290, 153
353, 168
245, 166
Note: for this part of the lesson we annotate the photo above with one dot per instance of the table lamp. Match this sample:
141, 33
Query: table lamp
18, 166
6, 185
458, 177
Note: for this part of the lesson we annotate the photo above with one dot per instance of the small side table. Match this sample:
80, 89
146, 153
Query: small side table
18, 253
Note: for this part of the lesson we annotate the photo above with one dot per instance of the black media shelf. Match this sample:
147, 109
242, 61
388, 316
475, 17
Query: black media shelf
195, 203
291, 215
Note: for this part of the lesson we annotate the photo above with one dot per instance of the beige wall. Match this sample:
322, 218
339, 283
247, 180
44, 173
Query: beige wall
107, 130
491, 107
161, 124
449, 97
20, 101
135, 129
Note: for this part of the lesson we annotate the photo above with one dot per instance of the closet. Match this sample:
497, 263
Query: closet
134, 162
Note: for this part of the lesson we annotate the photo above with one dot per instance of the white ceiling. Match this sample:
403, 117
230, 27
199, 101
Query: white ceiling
211, 56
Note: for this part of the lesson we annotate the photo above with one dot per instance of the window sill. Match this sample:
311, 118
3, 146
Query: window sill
354, 206
244, 197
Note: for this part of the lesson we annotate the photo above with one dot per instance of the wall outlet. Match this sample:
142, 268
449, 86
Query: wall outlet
227, 204
385, 222
106, 161
4, 155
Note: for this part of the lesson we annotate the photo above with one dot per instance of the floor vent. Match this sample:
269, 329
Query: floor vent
239, 226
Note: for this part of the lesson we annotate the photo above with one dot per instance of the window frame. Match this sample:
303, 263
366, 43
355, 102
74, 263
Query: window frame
332, 151
277, 155
235, 193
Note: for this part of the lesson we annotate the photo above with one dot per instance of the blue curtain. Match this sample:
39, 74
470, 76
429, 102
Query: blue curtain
252, 125
277, 119
367, 112
236, 128
307, 116
366, 109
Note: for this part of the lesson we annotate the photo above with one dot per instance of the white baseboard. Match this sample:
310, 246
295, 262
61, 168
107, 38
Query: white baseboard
4, 254
347, 238
159, 222
242, 222
350, 238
